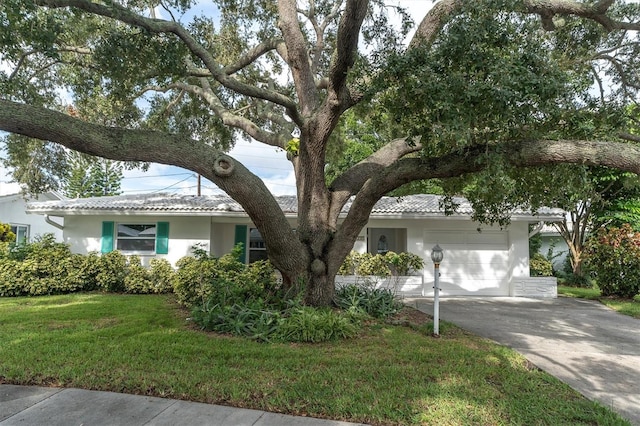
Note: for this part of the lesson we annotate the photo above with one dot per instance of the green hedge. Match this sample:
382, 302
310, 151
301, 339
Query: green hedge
382, 265
48, 267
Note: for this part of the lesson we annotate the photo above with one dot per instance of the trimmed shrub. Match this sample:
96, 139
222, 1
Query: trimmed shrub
194, 280
137, 278
351, 262
11, 278
540, 266
373, 265
225, 281
43, 267
112, 272
613, 258
382, 265
162, 275
403, 263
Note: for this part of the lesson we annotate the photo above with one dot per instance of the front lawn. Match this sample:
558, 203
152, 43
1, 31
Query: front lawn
629, 307
390, 375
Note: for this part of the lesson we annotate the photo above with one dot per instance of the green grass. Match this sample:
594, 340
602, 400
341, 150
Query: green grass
390, 375
629, 307
580, 292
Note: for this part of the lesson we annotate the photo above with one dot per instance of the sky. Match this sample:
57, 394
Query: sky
269, 163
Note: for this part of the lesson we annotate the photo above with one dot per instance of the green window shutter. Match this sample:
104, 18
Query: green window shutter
162, 238
107, 237
241, 237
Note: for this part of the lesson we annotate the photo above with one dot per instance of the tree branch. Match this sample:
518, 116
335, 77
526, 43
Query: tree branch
352, 180
435, 19
347, 42
159, 147
126, 16
252, 55
297, 56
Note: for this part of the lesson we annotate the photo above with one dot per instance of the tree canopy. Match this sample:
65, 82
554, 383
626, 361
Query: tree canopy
484, 87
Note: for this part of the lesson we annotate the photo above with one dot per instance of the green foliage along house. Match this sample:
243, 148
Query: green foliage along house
479, 260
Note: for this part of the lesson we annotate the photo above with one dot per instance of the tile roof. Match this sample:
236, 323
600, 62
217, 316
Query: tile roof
411, 205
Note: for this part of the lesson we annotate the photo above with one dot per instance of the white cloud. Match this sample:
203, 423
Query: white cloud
5, 186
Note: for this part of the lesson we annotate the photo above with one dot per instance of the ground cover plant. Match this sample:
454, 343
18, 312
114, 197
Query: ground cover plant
389, 375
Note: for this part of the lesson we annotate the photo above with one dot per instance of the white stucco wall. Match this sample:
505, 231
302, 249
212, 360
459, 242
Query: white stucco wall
84, 233
475, 263
12, 211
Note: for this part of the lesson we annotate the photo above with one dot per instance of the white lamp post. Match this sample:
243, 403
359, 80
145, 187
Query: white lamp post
436, 256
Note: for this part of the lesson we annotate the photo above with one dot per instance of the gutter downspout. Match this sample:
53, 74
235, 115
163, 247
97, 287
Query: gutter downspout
536, 230
53, 223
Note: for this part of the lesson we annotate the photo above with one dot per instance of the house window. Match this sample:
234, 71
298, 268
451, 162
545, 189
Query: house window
383, 240
137, 238
257, 247
22, 233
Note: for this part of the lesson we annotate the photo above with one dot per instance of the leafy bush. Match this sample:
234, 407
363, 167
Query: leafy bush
373, 265
158, 278
113, 271
403, 263
194, 280
162, 275
613, 257
6, 235
137, 278
225, 281
540, 266
11, 278
377, 302
382, 265
41, 267
48, 267
87, 268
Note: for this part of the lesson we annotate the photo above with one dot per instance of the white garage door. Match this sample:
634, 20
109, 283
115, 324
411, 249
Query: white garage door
475, 263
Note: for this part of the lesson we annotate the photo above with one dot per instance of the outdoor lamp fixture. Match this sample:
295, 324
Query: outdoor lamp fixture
436, 256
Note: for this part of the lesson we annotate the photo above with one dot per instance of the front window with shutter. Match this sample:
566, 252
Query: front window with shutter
136, 238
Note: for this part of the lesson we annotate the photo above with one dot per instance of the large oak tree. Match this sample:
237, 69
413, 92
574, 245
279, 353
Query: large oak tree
482, 87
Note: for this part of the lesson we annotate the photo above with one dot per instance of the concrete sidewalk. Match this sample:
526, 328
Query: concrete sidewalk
33, 406
590, 347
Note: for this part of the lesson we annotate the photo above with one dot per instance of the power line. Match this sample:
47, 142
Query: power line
156, 176
170, 186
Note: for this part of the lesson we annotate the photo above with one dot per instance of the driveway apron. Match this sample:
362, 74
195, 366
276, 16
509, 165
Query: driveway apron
590, 347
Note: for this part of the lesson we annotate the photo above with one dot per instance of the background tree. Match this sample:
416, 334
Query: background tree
592, 197
92, 177
484, 86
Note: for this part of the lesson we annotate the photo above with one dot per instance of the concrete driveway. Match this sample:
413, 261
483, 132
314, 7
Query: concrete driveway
583, 343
